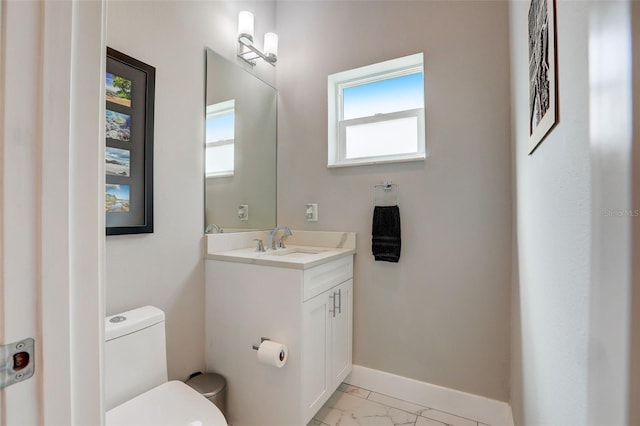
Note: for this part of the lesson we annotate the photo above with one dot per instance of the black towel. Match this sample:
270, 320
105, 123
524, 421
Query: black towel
385, 235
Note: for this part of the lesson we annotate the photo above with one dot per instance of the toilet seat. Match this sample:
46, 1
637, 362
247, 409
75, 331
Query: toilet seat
172, 404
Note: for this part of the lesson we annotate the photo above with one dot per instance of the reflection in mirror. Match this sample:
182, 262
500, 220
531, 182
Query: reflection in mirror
220, 134
240, 149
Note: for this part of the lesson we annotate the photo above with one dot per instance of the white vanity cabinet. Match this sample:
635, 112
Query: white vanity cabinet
308, 309
327, 331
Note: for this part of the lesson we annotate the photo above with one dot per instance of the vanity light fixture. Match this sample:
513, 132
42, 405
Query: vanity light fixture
246, 50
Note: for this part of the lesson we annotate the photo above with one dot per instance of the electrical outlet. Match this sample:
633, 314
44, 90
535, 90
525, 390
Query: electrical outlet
243, 212
312, 212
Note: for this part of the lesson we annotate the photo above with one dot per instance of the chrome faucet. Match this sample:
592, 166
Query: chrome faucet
274, 231
212, 227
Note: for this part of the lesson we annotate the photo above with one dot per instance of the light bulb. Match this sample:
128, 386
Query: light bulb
245, 25
271, 45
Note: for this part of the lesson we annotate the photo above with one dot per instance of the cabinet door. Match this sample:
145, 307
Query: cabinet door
341, 332
315, 357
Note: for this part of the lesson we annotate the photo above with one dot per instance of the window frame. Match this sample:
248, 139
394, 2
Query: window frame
218, 144
337, 83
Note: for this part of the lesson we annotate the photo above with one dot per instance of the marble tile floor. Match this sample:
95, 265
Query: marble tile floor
353, 406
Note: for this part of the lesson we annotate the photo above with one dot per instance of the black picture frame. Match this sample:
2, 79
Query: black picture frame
129, 118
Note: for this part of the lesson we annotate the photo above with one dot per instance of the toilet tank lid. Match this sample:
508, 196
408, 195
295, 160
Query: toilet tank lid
124, 323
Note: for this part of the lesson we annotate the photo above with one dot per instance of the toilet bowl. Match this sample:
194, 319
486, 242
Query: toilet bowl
137, 391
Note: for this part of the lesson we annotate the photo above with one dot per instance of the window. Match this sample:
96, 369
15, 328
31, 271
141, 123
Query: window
220, 136
376, 113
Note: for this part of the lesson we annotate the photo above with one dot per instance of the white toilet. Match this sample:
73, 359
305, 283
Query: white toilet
137, 392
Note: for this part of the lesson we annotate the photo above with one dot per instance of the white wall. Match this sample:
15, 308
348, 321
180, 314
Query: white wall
51, 207
166, 268
551, 323
440, 315
570, 305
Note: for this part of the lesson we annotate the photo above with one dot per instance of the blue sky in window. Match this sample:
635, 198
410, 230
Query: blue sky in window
221, 127
385, 96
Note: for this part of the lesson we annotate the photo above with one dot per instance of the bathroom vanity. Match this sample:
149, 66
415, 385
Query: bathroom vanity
301, 296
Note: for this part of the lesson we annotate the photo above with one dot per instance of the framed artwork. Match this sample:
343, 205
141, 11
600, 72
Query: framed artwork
130, 87
542, 71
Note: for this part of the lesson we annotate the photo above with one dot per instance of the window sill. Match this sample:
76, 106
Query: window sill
374, 161
219, 175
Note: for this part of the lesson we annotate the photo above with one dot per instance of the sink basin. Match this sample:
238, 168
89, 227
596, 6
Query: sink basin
296, 252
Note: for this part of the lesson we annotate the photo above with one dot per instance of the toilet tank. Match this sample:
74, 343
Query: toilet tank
135, 354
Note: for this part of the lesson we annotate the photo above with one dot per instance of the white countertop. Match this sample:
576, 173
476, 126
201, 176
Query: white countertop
305, 249
295, 257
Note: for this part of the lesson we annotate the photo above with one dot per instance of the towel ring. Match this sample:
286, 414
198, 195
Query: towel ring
385, 188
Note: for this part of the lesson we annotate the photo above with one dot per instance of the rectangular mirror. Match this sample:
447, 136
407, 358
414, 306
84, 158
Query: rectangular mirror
240, 149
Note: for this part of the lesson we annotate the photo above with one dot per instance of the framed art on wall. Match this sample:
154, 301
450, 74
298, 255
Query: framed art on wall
130, 87
542, 71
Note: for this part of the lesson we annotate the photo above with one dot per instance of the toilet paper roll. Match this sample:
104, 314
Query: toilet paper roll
273, 353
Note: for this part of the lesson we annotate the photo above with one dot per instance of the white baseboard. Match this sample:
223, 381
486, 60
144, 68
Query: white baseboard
485, 410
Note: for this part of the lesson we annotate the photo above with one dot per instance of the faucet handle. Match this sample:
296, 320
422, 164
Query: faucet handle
281, 242
260, 247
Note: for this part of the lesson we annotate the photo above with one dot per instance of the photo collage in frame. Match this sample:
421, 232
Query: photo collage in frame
129, 87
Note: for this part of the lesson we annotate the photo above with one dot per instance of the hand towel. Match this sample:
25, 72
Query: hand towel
385, 235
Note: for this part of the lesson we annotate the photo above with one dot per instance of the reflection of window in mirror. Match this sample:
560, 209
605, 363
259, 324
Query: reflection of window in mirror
220, 133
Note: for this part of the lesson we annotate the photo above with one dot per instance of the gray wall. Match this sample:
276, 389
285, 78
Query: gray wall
440, 315
166, 268
571, 301
634, 394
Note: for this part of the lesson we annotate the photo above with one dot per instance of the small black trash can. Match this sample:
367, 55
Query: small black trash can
213, 387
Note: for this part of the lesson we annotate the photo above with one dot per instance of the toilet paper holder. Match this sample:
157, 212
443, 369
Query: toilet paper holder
256, 347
